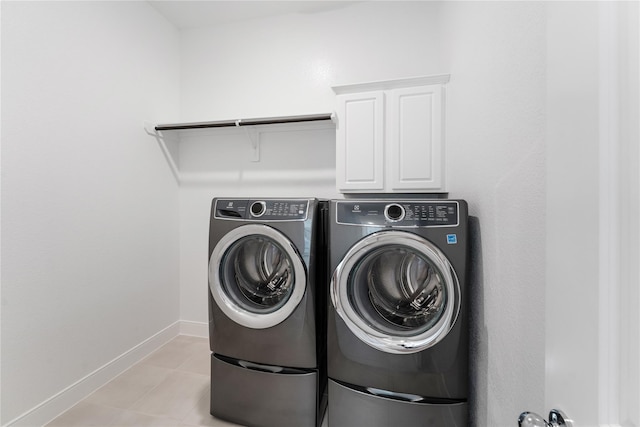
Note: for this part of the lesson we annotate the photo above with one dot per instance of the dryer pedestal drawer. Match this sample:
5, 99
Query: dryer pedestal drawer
246, 394
353, 408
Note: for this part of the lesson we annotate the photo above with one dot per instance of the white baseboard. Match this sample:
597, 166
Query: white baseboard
65, 399
196, 329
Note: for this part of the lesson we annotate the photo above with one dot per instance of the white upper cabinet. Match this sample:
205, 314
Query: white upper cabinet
390, 136
360, 142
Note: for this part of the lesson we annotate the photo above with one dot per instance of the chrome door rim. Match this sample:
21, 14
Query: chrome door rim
230, 308
364, 330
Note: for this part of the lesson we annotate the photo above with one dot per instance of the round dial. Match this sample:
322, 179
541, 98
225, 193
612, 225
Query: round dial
394, 212
258, 208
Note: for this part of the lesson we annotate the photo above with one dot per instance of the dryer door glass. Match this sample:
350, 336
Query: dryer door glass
256, 276
398, 289
397, 292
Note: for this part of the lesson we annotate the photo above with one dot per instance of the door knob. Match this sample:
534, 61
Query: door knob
531, 419
557, 418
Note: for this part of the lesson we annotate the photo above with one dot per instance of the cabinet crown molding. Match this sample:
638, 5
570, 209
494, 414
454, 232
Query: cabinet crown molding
391, 84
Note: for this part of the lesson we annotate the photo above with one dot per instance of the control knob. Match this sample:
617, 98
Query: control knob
394, 212
258, 209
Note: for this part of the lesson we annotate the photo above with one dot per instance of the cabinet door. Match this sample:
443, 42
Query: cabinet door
415, 140
360, 142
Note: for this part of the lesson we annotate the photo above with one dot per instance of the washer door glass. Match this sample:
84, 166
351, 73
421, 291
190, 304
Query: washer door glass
256, 276
397, 292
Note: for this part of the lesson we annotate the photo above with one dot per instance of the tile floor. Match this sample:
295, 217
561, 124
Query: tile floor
169, 388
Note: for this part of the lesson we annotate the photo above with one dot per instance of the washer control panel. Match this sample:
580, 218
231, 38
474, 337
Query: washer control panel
263, 210
398, 213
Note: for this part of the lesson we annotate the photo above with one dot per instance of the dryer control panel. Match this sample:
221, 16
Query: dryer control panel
398, 213
263, 210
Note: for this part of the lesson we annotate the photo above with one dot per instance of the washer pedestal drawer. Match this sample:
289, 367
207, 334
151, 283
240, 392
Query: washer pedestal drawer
352, 408
253, 397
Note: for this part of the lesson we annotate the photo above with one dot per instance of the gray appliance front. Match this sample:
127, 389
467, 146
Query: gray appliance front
264, 396
354, 408
261, 298
397, 292
397, 320
256, 277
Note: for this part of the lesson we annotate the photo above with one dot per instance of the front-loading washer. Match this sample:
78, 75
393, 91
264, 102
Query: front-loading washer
267, 311
398, 337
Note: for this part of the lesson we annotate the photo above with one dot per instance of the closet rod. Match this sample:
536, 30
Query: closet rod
245, 122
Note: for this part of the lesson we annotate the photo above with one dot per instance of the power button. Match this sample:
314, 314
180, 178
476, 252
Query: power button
394, 212
258, 208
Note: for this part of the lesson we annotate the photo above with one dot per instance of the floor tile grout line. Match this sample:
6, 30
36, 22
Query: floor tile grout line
148, 392
132, 404
202, 394
152, 390
131, 409
102, 405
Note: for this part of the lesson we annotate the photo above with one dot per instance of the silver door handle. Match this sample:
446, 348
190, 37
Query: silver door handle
557, 418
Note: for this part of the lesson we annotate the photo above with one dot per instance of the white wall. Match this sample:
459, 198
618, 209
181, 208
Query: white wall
286, 65
496, 160
89, 207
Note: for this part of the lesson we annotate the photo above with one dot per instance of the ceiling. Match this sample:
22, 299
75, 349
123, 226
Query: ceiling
193, 14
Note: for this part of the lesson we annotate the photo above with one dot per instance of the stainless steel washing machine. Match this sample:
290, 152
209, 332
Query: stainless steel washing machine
267, 311
398, 336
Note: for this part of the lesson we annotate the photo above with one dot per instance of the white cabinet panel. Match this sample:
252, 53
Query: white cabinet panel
360, 142
414, 149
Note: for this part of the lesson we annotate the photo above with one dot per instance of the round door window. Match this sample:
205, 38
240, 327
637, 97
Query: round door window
397, 292
256, 276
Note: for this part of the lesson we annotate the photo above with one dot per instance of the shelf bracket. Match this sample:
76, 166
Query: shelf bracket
169, 147
254, 139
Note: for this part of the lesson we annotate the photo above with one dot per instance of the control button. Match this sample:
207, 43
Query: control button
258, 208
394, 212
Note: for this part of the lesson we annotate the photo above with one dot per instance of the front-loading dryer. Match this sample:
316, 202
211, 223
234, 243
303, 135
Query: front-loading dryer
397, 319
267, 311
